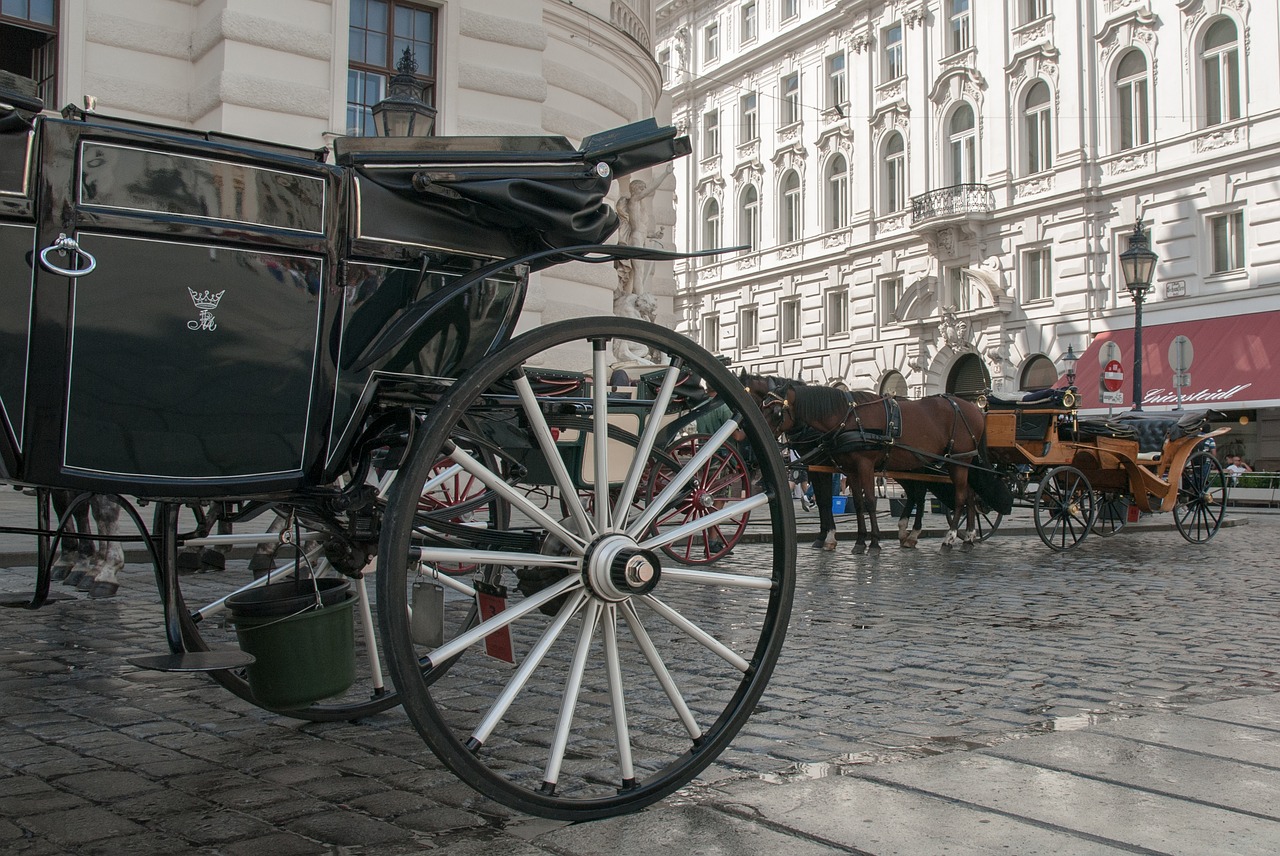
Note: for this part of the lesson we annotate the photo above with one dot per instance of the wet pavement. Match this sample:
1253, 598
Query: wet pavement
1121, 697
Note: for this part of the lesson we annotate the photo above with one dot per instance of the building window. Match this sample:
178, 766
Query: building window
1221, 65
380, 32
893, 188
837, 83
789, 227
837, 185
749, 118
1131, 98
894, 384
711, 332
711, 43
789, 313
837, 311
710, 134
1227, 234
1034, 10
962, 139
790, 8
664, 65
1039, 373
1038, 128
892, 62
749, 25
890, 293
790, 99
748, 327
1037, 275
749, 217
959, 36
710, 226
29, 44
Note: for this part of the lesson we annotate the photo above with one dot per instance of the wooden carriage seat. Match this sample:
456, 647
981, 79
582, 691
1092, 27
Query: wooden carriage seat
1034, 410
1151, 430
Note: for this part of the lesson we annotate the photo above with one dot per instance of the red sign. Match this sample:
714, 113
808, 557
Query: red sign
1112, 376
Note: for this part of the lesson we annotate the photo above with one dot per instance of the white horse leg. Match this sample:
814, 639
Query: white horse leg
101, 579
829, 540
902, 531
952, 538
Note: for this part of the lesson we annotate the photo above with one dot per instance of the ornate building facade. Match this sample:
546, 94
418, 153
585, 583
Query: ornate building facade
932, 195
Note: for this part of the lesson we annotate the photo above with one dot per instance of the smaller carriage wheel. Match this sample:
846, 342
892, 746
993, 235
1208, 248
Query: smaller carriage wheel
1063, 508
1202, 498
723, 479
987, 520
1113, 513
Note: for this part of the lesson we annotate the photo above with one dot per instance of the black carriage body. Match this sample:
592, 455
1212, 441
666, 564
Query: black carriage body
210, 350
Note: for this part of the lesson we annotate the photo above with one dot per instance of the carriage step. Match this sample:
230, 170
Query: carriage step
194, 661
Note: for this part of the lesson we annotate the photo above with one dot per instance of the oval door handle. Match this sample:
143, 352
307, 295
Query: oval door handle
64, 245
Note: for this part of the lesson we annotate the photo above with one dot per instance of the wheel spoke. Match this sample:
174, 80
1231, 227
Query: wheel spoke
695, 632
682, 478
551, 454
476, 634
569, 701
699, 524
613, 668
660, 671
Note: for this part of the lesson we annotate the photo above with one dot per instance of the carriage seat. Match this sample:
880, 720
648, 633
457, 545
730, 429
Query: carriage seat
1047, 398
1151, 430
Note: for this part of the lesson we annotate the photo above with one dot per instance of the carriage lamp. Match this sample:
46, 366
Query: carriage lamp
403, 113
1069, 360
1138, 264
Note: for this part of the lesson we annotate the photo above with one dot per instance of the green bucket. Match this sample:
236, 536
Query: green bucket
303, 652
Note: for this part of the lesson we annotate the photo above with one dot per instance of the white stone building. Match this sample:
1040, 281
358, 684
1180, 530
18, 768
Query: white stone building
303, 71
935, 192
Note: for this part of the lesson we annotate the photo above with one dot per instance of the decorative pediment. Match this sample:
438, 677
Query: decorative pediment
835, 138
791, 156
893, 115
958, 84
748, 172
1133, 26
919, 301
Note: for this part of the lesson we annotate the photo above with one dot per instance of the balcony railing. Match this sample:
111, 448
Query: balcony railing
632, 17
957, 201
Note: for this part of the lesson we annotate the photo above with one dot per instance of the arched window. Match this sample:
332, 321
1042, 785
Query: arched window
1131, 99
710, 225
963, 145
1038, 134
968, 378
749, 217
893, 180
1039, 373
837, 184
1221, 67
789, 224
893, 384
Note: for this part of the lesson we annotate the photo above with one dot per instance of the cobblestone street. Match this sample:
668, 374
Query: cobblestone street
903, 654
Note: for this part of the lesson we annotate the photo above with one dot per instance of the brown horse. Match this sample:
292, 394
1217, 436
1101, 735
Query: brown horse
863, 434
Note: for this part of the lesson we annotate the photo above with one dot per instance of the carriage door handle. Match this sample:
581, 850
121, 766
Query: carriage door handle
62, 246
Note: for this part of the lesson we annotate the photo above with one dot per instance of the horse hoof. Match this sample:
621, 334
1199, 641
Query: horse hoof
875, 548
86, 583
100, 590
212, 560
966, 546
946, 546
820, 545
188, 562
859, 549
73, 578
261, 564
59, 572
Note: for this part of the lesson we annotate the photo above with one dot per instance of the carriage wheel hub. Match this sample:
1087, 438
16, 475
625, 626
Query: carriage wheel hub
617, 569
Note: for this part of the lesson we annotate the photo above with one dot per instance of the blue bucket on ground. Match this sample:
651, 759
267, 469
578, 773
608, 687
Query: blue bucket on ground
838, 504
304, 651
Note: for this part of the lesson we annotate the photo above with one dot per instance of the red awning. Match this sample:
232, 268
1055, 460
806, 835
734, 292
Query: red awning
1235, 364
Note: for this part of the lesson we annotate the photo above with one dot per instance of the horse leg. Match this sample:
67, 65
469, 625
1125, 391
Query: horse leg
69, 545
913, 501
965, 499
822, 495
108, 559
77, 548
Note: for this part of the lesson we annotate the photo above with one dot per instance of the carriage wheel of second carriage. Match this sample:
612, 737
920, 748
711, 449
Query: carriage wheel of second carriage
722, 480
1113, 513
1063, 508
1202, 498
605, 676
987, 520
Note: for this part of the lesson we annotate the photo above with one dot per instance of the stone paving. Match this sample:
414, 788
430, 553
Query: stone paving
894, 656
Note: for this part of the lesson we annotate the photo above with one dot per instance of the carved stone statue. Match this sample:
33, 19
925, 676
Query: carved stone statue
636, 228
954, 330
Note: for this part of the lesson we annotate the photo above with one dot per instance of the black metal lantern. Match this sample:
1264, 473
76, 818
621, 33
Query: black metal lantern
1069, 360
1138, 263
403, 113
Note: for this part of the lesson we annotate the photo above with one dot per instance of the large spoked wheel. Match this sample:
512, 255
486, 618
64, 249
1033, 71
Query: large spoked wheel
628, 674
723, 480
298, 549
987, 520
1064, 508
1202, 498
1112, 514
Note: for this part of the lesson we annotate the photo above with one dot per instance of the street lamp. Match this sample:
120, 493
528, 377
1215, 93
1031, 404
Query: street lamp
403, 113
1138, 263
1069, 360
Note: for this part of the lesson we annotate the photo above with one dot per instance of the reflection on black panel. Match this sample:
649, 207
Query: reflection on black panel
17, 249
448, 344
14, 154
140, 180
191, 361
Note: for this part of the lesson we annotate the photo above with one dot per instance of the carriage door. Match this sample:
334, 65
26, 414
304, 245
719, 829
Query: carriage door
193, 343
17, 248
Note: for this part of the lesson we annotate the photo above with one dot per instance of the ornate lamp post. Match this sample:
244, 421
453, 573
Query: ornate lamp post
1069, 360
403, 113
1138, 263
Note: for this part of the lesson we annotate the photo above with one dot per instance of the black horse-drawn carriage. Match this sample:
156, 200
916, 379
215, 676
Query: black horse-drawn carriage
242, 334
